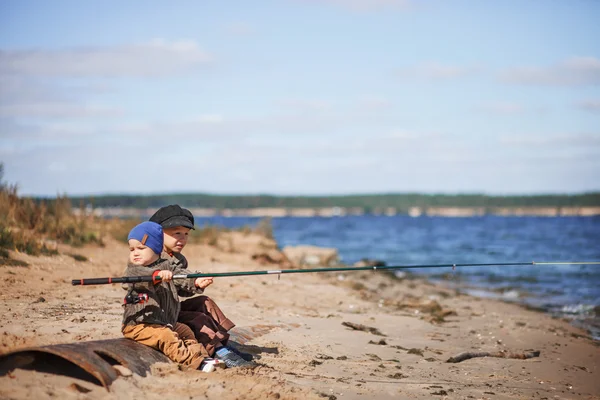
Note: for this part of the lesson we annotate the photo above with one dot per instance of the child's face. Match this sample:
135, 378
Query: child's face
140, 254
176, 238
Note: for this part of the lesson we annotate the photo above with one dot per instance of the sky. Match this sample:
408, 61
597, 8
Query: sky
300, 97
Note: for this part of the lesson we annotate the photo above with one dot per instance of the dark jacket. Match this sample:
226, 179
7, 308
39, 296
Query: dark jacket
162, 305
177, 259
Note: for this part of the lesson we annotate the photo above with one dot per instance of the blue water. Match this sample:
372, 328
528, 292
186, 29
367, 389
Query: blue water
571, 291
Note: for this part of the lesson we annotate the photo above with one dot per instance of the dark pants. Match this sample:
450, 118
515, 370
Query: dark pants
207, 321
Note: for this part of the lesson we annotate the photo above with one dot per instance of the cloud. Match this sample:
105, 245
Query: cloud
591, 105
19, 90
503, 108
33, 84
368, 5
437, 71
576, 71
374, 103
35, 97
58, 110
298, 120
16, 90
510, 108
303, 106
156, 58
558, 141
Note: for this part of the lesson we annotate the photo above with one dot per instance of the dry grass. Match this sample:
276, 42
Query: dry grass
119, 228
36, 227
265, 228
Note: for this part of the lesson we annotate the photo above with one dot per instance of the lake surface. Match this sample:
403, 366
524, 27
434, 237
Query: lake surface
570, 291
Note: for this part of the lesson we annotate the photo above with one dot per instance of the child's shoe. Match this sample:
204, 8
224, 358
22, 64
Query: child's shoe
231, 359
245, 356
210, 364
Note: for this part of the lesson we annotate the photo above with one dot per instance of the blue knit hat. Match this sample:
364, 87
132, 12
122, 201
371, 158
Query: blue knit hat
149, 234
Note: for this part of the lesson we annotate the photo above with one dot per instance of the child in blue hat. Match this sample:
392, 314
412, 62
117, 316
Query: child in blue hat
151, 308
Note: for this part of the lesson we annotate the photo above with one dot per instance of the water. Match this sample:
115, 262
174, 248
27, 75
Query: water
570, 291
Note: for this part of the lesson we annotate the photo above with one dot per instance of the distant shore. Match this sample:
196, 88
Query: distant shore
274, 212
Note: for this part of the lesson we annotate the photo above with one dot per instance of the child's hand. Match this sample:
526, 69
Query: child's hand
165, 275
203, 283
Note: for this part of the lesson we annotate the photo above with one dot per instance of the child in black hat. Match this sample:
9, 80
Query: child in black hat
200, 313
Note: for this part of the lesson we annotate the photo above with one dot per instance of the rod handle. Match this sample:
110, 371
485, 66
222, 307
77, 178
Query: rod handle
105, 281
92, 281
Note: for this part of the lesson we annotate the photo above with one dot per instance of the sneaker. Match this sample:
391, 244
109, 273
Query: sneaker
245, 356
232, 360
210, 364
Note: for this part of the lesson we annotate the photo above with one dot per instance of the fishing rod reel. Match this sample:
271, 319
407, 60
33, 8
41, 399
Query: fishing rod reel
131, 298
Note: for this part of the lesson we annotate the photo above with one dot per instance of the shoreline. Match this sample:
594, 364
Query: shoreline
331, 212
309, 347
588, 319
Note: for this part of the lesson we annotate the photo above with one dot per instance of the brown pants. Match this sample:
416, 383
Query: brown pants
178, 344
207, 321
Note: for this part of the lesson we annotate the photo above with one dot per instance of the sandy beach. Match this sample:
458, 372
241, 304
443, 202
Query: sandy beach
354, 335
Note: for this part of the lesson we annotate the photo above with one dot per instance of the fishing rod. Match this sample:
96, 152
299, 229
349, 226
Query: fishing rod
155, 278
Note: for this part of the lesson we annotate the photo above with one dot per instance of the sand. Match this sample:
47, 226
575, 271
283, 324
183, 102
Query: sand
307, 348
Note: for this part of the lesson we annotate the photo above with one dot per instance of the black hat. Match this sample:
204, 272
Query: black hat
172, 216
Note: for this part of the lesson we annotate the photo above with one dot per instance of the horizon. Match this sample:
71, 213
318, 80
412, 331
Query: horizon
316, 195
300, 96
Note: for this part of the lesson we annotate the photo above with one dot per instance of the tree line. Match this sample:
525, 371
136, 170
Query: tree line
368, 202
